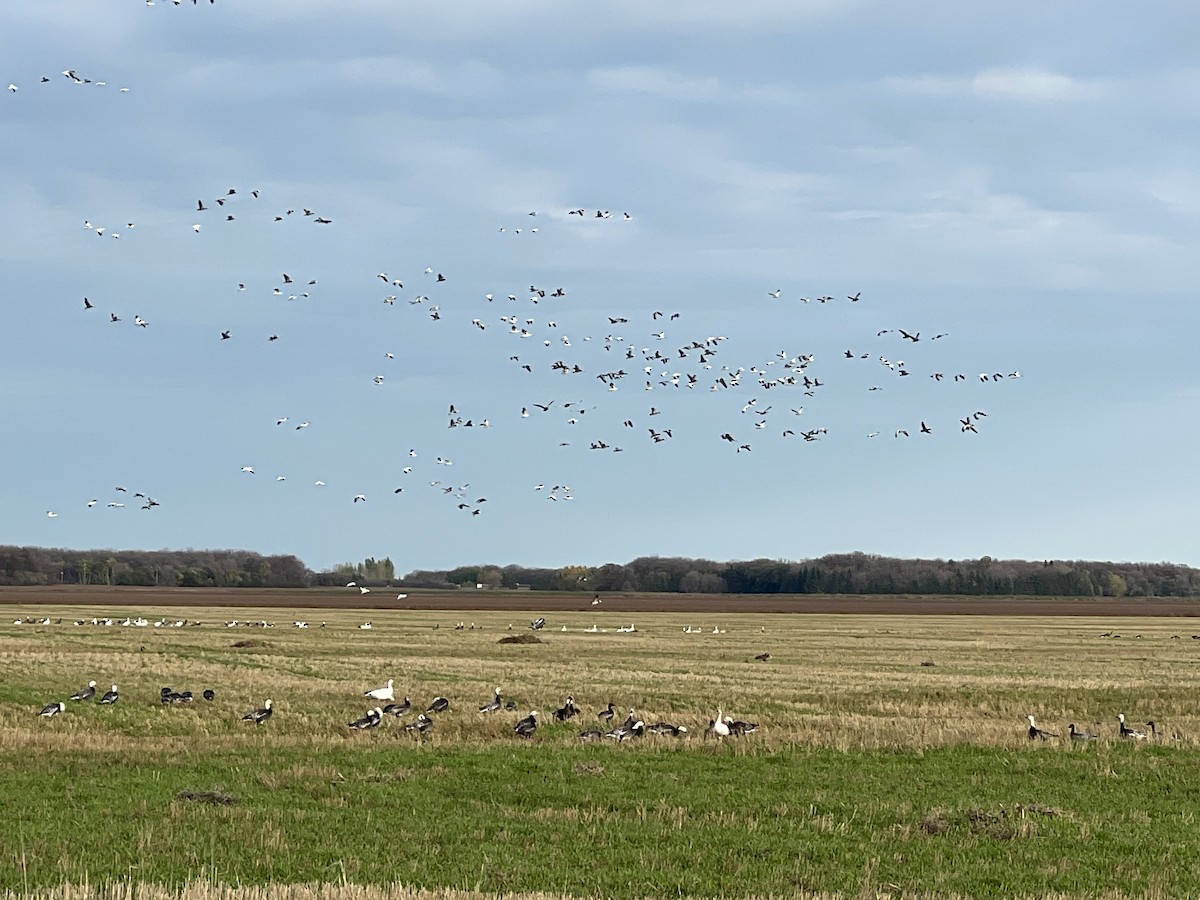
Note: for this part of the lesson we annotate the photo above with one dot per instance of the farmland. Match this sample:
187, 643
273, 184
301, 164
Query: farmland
891, 755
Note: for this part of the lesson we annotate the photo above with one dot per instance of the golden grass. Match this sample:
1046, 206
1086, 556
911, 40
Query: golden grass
204, 890
847, 682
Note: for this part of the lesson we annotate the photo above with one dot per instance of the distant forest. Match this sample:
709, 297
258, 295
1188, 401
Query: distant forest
843, 573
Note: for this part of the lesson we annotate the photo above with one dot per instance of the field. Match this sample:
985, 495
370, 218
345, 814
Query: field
891, 756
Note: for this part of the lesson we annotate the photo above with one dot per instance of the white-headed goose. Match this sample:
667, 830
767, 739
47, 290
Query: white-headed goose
1127, 732
567, 711
439, 704
371, 720
52, 709
527, 726
85, 693
494, 704
1038, 734
110, 696
259, 716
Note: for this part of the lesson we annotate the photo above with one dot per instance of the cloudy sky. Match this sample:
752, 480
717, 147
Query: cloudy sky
1013, 184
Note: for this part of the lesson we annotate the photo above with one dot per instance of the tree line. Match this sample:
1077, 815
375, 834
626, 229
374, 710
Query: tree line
845, 573
150, 568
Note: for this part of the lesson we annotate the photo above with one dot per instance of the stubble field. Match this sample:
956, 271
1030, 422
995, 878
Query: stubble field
891, 756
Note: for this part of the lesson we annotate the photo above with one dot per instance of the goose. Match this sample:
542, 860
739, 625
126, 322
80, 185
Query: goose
1080, 735
567, 711
371, 720
592, 734
439, 704
1176, 734
624, 733
420, 724
606, 715
1127, 732
382, 693
398, 709
718, 725
493, 704
52, 709
209, 694
258, 716
109, 697
667, 728
736, 726
1038, 734
629, 719
527, 726
85, 693
167, 696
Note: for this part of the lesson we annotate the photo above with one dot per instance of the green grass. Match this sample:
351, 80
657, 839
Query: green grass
871, 775
613, 821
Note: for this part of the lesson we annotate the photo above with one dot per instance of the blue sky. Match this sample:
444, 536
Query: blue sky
1018, 178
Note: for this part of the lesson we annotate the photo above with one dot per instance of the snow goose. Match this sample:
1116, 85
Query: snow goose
718, 726
52, 709
439, 704
110, 697
385, 693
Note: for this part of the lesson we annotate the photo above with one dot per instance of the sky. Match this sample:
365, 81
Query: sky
1009, 193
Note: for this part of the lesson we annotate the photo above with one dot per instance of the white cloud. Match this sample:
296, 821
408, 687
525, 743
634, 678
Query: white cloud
1030, 84
656, 81
1021, 84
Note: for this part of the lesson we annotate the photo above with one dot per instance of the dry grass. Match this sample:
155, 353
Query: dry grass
831, 681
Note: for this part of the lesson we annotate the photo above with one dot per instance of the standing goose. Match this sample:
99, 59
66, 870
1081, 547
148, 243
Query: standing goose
718, 726
1037, 734
385, 693
109, 697
567, 711
85, 693
1080, 735
606, 715
1127, 732
259, 716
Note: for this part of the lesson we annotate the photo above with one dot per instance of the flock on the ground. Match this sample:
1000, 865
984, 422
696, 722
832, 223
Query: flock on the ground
633, 726
1124, 732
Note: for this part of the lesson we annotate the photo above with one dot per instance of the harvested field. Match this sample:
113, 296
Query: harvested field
546, 601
